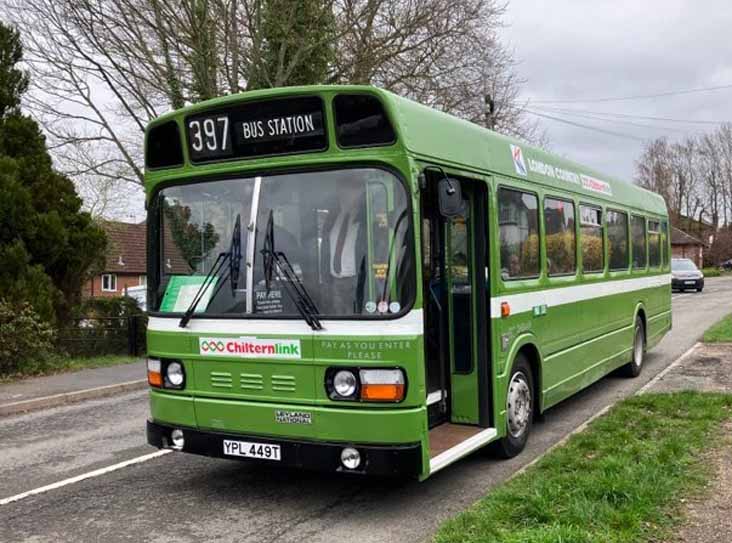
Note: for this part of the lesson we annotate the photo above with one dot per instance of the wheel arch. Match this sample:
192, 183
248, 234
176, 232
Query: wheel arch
640, 312
526, 345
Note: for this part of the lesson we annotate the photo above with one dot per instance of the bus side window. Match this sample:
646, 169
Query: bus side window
518, 220
638, 229
664, 243
617, 238
654, 244
559, 231
591, 239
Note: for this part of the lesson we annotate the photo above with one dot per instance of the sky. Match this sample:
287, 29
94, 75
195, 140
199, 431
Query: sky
583, 51
576, 54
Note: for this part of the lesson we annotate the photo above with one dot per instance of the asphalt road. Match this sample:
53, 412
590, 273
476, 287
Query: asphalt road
186, 498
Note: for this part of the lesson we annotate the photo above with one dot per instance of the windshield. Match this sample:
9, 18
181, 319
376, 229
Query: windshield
682, 264
345, 233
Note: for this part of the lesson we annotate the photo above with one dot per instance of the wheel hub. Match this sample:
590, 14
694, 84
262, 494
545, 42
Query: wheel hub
638, 349
519, 404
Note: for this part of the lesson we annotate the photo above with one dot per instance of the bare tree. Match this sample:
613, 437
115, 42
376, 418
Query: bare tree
695, 178
102, 69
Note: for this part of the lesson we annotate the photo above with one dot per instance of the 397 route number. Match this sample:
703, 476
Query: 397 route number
209, 135
248, 449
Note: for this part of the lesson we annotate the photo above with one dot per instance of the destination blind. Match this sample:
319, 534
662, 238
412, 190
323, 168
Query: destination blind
272, 127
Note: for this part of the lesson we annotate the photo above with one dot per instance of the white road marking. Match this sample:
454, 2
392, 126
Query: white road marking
84, 476
667, 369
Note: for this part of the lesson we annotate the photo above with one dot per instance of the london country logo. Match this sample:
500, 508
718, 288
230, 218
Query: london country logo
250, 347
518, 160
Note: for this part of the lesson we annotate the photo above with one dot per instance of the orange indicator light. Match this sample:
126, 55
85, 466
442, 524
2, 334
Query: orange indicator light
505, 309
382, 393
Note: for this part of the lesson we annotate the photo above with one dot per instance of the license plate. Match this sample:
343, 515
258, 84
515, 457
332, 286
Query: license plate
689, 282
250, 449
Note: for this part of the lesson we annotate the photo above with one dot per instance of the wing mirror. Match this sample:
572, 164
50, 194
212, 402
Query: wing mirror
450, 197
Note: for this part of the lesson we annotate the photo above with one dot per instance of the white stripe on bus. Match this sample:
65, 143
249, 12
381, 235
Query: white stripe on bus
526, 301
412, 323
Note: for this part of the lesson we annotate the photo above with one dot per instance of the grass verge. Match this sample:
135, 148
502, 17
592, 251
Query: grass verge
711, 272
618, 481
62, 364
720, 332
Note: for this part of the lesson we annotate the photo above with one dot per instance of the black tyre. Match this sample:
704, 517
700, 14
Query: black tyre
635, 366
700, 289
520, 398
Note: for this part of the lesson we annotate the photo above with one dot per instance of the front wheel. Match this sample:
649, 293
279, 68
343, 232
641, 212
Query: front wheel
635, 366
519, 410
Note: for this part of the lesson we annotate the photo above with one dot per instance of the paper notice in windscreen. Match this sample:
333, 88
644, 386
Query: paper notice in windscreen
181, 292
187, 293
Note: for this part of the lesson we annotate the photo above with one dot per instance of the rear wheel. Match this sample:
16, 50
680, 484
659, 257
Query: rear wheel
635, 366
519, 410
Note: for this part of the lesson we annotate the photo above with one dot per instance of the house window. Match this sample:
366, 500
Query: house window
109, 282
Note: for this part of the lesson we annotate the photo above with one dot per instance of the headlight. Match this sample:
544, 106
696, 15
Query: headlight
367, 385
345, 383
174, 375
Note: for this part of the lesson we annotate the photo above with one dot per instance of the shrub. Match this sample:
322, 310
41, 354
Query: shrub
711, 272
26, 340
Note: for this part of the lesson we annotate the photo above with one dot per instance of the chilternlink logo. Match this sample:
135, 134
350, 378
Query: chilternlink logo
249, 347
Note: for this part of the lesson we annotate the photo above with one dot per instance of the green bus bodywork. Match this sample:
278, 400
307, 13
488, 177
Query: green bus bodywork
574, 329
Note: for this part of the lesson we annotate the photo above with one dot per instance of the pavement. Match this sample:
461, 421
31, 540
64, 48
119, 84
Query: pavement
54, 390
177, 497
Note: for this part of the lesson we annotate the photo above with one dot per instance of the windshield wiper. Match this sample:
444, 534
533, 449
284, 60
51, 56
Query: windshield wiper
402, 216
233, 257
294, 287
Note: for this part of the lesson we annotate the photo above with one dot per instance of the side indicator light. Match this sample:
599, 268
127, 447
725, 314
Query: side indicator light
382, 393
505, 310
154, 377
382, 385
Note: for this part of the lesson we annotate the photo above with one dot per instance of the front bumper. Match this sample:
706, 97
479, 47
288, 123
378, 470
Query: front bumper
681, 284
383, 460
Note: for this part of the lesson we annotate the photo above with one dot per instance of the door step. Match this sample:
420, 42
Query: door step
449, 442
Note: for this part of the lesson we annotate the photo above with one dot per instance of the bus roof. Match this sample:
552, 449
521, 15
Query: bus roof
434, 136
467, 144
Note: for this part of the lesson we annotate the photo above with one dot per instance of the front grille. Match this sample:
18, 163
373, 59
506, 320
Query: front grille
251, 381
283, 383
220, 379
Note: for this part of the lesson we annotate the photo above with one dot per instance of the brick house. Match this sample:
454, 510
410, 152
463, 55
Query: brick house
126, 261
684, 245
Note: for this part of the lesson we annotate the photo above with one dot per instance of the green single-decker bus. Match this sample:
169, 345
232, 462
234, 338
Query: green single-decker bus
345, 280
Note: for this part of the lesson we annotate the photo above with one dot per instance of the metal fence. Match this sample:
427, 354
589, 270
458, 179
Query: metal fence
91, 336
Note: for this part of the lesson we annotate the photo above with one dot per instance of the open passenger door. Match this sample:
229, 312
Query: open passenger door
457, 318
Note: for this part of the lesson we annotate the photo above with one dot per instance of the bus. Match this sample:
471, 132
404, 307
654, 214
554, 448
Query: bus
344, 280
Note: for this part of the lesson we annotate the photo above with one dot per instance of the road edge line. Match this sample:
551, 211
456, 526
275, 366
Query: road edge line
84, 476
582, 427
672, 365
56, 400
